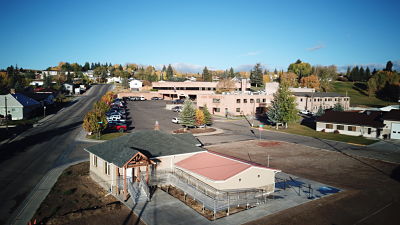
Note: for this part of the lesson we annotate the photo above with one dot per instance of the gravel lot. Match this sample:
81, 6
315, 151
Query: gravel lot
144, 114
371, 194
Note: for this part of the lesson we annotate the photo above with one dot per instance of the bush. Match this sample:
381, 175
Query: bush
336, 132
323, 130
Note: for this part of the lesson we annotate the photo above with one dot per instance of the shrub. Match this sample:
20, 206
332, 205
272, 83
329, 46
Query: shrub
323, 130
336, 132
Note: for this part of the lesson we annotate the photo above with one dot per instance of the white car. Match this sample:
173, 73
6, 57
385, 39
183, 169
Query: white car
175, 120
306, 112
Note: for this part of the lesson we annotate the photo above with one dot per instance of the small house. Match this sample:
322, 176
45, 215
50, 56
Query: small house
367, 124
135, 85
18, 106
392, 124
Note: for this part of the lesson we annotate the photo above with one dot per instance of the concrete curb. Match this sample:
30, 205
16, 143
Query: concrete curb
27, 209
217, 131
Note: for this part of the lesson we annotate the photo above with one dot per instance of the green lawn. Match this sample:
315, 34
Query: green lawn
107, 136
358, 96
306, 131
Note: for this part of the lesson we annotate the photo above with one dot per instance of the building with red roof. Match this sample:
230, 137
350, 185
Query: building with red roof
226, 173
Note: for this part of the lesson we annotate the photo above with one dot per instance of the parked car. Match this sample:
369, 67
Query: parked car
121, 127
306, 112
156, 98
141, 98
178, 101
175, 120
115, 119
177, 109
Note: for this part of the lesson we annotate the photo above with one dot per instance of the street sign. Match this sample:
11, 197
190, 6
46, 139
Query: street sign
261, 127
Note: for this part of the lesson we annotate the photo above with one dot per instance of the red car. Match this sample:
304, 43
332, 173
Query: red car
121, 127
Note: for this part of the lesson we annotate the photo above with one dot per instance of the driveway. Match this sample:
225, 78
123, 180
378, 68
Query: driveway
144, 115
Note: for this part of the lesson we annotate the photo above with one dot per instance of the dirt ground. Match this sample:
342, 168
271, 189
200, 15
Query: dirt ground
371, 188
76, 199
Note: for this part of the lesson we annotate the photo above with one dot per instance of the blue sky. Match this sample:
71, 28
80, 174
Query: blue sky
192, 34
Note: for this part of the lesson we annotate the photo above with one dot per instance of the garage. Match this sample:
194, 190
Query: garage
395, 131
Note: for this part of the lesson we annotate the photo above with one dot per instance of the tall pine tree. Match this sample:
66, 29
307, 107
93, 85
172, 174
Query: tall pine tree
188, 114
206, 75
283, 107
170, 72
256, 76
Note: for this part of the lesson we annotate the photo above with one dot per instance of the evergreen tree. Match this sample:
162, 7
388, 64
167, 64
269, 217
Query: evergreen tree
86, 67
283, 106
275, 71
207, 116
47, 81
367, 73
320, 111
389, 66
125, 83
256, 76
188, 114
206, 75
374, 72
338, 107
361, 74
170, 72
231, 73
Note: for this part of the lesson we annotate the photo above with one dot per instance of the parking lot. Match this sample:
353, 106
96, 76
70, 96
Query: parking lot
144, 115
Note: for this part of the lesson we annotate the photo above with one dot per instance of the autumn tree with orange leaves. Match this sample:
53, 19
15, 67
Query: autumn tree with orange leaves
311, 81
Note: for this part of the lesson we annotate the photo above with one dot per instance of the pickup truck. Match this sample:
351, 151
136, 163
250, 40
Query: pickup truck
121, 127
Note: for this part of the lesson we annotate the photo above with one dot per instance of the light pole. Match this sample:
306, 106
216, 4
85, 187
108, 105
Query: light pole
5, 104
44, 111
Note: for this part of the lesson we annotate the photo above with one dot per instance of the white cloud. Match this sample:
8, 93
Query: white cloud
315, 48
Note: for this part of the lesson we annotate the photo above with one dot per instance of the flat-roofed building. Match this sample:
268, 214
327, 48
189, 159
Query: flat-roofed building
311, 101
190, 89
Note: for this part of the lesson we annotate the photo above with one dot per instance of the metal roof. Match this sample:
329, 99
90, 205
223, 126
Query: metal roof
151, 143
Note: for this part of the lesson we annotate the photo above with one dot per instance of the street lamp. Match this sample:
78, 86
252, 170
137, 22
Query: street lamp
44, 111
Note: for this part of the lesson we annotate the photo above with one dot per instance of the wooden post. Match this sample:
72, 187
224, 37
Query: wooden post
147, 173
125, 185
133, 174
138, 174
117, 178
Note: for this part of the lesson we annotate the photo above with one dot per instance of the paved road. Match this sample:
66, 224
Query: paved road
32, 154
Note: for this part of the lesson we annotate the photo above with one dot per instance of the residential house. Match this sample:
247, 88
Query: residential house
69, 88
367, 124
44, 98
18, 106
135, 85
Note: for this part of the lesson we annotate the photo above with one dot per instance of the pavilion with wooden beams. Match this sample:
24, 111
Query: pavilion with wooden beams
136, 162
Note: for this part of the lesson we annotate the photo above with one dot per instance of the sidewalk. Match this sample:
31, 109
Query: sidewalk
165, 209
24, 213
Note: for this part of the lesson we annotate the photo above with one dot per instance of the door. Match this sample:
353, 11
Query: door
395, 131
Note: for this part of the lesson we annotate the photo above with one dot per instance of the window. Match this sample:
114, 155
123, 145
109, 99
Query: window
351, 128
13, 109
216, 100
301, 99
94, 160
107, 168
315, 100
258, 100
237, 109
217, 110
329, 126
240, 179
264, 100
237, 100
258, 175
251, 100
340, 127
244, 100
369, 130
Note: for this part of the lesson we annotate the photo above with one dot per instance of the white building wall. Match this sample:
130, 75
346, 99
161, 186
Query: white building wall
360, 130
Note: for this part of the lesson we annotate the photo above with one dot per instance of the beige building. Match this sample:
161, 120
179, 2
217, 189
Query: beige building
311, 101
235, 103
190, 89
225, 173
